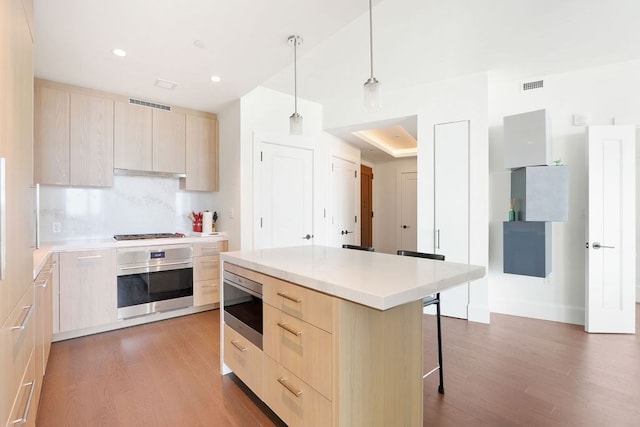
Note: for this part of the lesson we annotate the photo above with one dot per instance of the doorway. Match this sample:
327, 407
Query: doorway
366, 205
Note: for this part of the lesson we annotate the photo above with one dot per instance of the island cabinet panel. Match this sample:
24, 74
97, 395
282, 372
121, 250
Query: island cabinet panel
292, 399
88, 289
300, 347
378, 365
245, 359
313, 307
362, 369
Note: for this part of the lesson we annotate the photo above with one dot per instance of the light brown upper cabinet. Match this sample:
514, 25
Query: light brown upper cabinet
82, 134
73, 136
202, 154
149, 139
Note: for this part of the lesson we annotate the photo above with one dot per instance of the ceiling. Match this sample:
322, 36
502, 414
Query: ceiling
245, 43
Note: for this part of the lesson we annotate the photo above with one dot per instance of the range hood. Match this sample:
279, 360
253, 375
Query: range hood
134, 172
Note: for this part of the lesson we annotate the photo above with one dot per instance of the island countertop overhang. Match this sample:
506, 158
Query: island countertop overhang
377, 280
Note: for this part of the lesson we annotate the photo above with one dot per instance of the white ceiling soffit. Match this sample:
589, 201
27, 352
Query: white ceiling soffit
374, 149
393, 140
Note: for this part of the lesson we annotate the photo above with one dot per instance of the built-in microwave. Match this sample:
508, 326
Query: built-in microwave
242, 305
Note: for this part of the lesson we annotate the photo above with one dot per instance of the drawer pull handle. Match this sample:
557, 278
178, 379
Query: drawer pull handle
27, 407
42, 283
23, 325
237, 345
83, 258
294, 299
292, 389
289, 329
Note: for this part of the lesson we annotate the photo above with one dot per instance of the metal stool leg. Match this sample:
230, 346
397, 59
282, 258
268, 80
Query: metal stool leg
441, 386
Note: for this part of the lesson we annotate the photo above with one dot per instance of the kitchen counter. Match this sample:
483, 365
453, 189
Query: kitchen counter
40, 255
342, 333
377, 280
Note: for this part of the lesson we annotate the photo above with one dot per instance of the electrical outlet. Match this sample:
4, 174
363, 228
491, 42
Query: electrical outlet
56, 227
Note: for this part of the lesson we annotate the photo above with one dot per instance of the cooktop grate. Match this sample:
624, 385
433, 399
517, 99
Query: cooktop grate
147, 236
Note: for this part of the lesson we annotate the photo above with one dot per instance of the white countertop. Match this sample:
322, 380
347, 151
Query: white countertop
374, 279
40, 255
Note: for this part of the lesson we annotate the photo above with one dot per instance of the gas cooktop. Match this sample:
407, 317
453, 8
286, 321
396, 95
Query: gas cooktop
147, 236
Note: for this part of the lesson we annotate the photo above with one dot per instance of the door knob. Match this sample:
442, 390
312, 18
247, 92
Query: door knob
307, 237
347, 232
597, 245
405, 226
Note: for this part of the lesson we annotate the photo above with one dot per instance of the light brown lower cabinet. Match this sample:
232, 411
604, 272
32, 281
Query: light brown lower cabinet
331, 362
206, 272
17, 364
297, 403
245, 359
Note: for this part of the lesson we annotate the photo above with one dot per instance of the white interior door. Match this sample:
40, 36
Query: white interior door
283, 197
610, 290
451, 209
408, 211
344, 190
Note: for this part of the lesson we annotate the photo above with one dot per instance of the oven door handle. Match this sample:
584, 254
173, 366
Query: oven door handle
155, 265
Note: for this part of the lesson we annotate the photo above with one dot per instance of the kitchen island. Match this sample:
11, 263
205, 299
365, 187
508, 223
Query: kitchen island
342, 333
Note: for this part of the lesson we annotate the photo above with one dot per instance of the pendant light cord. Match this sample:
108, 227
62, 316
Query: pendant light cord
371, 37
295, 75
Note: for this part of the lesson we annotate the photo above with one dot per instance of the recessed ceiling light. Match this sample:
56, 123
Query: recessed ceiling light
215, 79
119, 52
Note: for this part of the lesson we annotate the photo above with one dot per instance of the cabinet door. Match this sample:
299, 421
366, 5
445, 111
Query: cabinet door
132, 137
451, 208
51, 136
169, 148
88, 289
91, 141
202, 154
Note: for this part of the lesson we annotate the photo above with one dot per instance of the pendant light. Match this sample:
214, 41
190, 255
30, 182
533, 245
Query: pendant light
372, 85
295, 120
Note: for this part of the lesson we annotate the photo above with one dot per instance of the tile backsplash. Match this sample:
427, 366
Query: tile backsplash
135, 204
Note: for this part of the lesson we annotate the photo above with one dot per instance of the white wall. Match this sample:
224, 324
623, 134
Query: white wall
386, 198
463, 98
266, 112
228, 197
605, 93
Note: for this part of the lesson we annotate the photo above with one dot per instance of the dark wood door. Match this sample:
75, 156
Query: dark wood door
366, 205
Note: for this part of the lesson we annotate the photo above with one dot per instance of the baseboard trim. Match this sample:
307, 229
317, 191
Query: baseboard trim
479, 313
534, 310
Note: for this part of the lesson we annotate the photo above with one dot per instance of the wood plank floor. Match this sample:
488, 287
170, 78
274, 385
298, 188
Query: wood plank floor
515, 371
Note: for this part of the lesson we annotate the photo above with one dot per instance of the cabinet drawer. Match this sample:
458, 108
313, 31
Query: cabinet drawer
304, 303
25, 405
206, 292
299, 347
209, 248
292, 399
244, 359
206, 268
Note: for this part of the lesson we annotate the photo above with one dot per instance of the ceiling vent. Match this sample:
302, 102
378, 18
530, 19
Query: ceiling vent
149, 104
532, 85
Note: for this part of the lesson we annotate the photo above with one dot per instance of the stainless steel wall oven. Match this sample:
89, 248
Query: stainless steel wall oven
154, 278
243, 306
